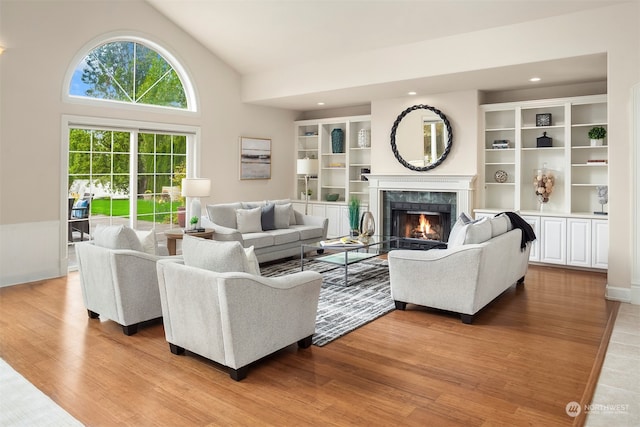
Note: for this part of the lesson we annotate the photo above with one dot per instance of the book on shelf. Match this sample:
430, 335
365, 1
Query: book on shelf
597, 161
343, 241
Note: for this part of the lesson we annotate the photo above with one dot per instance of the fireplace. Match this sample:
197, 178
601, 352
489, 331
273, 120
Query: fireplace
420, 225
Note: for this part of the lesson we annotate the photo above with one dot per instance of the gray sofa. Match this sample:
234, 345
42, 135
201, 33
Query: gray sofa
273, 228
483, 259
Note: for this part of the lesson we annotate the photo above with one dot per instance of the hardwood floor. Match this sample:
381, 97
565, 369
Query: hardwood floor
527, 355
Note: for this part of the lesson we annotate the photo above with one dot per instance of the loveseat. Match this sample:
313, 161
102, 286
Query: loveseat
216, 304
482, 260
273, 228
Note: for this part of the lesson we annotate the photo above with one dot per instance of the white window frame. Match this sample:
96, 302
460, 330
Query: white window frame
134, 126
187, 81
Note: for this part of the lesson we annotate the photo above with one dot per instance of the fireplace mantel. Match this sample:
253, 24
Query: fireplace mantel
462, 185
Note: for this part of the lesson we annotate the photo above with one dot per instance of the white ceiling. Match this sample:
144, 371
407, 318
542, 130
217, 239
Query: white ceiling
256, 36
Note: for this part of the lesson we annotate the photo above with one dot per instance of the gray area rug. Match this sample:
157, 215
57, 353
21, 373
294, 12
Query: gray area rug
342, 309
22, 404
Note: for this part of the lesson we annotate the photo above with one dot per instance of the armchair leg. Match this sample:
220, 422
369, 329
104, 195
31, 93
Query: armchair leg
400, 305
93, 314
305, 342
466, 318
130, 330
238, 374
520, 281
176, 349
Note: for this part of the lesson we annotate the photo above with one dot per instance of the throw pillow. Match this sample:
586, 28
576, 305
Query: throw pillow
213, 255
148, 241
292, 215
80, 209
268, 217
249, 220
478, 231
116, 237
499, 225
458, 231
283, 215
252, 266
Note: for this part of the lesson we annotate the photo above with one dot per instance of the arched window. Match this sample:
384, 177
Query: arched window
132, 71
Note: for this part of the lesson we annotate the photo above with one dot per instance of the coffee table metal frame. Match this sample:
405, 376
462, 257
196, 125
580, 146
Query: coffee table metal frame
353, 253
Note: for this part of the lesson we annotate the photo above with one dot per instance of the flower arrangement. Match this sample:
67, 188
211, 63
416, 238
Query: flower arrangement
543, 182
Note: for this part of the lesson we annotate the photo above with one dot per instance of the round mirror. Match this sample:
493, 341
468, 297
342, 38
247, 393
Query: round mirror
421, 137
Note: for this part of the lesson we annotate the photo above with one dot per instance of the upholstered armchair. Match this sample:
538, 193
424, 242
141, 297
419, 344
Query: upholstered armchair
212, 307
118, 276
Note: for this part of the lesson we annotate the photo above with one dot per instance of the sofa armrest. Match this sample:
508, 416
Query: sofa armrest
441, 278
222, 233
261, 314
316, 221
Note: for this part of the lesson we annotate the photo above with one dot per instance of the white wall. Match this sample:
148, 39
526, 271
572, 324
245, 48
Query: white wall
41, 39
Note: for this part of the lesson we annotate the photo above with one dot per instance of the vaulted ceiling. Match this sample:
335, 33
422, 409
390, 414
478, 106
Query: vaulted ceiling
260, 36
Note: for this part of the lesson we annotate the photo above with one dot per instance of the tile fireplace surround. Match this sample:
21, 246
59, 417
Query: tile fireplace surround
455, 189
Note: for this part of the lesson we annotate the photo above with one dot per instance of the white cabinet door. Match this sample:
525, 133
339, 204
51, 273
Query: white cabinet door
317, 209
334, 215
534, 221
553, 232
579, 242
600, 243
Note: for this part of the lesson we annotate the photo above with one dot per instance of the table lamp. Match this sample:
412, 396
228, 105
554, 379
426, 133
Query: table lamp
307, 167
194, 188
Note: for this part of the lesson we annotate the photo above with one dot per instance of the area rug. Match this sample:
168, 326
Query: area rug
342, 309
22, 404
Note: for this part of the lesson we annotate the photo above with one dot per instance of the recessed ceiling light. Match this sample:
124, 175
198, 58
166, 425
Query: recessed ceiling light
320, 103
535, 79
412, 93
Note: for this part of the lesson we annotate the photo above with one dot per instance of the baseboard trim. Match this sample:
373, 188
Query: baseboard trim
619, 294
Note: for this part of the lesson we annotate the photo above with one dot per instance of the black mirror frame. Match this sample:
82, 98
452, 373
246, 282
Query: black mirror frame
394, 147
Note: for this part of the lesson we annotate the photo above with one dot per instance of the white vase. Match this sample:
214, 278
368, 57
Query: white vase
597, 142
364, 138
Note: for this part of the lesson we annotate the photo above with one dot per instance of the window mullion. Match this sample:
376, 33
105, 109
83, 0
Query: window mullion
133, 179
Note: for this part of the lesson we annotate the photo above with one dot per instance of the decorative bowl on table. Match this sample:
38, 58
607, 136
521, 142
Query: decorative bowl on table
332, 197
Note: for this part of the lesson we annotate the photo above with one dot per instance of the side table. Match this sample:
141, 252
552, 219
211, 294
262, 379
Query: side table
178, 234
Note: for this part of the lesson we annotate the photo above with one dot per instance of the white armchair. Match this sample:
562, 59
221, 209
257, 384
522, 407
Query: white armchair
119, 284
232, 317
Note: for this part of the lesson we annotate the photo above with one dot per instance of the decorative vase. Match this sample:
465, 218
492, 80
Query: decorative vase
367, 224
597, 142
543, 182
337, 140
364, 138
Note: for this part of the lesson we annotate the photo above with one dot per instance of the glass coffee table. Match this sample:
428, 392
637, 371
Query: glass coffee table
340, 253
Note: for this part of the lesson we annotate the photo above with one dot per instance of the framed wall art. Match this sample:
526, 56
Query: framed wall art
255, 158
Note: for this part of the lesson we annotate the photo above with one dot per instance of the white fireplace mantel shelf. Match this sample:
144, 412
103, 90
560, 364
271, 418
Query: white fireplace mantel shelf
462, 185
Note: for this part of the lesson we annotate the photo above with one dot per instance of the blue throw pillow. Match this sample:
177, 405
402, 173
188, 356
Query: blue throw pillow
80, 209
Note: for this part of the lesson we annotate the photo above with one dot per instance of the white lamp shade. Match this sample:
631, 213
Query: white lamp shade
307, 166
196, 187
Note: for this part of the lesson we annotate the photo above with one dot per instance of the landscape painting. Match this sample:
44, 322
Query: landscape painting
255, 158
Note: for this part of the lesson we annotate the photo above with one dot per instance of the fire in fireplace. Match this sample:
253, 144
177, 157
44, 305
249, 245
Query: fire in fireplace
420, 225
423, 225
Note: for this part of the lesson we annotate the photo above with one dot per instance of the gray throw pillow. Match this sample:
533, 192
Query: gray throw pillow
283, 215
116, 237
268, 217
212, 255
